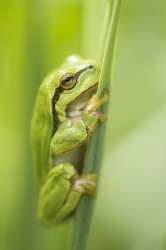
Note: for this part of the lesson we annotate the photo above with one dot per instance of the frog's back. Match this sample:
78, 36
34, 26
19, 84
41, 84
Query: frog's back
42, 126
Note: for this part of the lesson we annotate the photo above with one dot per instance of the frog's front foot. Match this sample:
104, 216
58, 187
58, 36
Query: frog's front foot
96, 102
91, 115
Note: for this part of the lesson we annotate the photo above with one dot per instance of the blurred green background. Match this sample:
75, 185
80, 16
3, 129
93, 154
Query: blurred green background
35, 37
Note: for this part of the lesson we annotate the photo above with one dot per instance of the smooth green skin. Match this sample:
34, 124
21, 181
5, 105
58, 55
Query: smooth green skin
58, 195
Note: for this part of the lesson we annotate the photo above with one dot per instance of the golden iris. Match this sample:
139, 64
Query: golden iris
68, 81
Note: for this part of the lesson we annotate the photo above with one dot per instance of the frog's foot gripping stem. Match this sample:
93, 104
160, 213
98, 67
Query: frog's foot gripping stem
96, 102
85, 184
91, 116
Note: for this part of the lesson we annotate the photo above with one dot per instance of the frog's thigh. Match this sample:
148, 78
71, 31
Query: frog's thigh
68, 137
54, 193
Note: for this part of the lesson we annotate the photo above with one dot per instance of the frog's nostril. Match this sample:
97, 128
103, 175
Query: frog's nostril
82, 70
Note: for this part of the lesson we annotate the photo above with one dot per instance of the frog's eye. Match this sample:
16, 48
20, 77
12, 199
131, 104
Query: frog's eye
68, 81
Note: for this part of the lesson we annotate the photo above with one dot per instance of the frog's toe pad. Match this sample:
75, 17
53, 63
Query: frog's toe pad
86, 184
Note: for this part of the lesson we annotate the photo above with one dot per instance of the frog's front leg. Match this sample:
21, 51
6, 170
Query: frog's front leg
71, 135
90, 115
61, 192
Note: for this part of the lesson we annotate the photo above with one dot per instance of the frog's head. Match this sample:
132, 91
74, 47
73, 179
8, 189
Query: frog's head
77, 80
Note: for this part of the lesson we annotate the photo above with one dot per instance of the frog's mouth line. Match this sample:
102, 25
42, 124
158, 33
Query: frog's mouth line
75, 108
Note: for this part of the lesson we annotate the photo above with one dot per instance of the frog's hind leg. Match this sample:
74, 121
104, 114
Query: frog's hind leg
61, 192
83, 184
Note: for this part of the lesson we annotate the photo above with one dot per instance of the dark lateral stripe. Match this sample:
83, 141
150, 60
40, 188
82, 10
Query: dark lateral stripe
82, 70
55, 98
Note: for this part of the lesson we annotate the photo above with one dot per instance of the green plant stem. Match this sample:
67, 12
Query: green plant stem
109, 47
104, 32
83, 217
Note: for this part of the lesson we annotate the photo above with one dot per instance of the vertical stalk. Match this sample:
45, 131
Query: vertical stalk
84, 213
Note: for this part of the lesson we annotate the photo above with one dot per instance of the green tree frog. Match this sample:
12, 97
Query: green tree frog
64, 118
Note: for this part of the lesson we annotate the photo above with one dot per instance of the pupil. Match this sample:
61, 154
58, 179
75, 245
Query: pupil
68, 79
